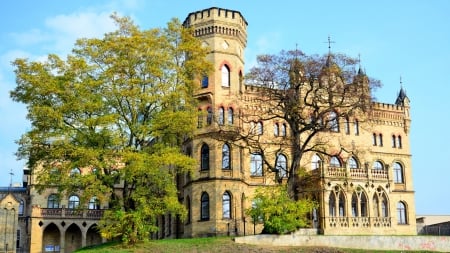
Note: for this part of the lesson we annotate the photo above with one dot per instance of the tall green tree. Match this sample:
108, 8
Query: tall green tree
118, 108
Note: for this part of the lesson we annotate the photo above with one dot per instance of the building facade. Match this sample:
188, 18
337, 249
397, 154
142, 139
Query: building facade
367, 190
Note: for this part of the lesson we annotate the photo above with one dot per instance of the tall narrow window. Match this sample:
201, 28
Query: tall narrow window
355, 205
374, 139
315, 162
398, 173
335, 162
384, 207
281, 165
74, 202
259, 128
399, 141
53, 201
209, 116
204, 157
204, 211
256, 165
276, 129
188, 209
226, 205
21, 207
225, 76
363, 205
394, 141
332, 205
221, 115
356, 126
230, 116
376, 213
200, 119
341, 204
205, 82
380, 140
347, 126
226, 157
283, 129
401, 213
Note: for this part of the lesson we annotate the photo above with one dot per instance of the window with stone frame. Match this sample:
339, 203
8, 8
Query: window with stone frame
204, 209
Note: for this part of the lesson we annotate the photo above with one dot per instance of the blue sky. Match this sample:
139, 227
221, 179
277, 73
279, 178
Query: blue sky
403, 38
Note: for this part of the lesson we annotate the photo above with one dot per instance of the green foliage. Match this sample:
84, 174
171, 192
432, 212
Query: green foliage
278, 211
119, 109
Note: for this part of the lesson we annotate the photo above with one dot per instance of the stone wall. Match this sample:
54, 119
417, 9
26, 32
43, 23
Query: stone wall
413, 243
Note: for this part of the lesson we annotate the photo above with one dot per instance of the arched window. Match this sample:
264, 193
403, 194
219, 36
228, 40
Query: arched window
380, 138
380, 204
315, 162
399, 141
335, 162
209, 116
256, 168
398, 173
352, 163
355, 212
281, 165
205, 82
74, 202
363, 205
204, 211
401, 213
94, 203
226, 157
225, 76
21, 207
74, 172
333, 122
259, 128
332, 205
226, 205
221, 115
341, 204
53, 201
374, 139
283, 129
230, 116
204, 157
377, 165
276, 130
394, 141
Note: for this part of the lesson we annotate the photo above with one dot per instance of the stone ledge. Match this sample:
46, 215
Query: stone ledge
373, 242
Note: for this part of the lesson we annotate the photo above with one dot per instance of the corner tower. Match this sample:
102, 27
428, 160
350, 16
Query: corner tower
224, 33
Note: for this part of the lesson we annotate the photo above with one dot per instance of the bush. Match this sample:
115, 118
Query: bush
280, 213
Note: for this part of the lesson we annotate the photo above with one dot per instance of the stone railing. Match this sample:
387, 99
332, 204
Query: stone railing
355, 222
358, 173
71, 213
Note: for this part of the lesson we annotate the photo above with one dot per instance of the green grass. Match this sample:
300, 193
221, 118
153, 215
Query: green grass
210, 244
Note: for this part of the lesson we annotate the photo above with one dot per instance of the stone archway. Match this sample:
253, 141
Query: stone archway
93, 236
51, 239
72, 238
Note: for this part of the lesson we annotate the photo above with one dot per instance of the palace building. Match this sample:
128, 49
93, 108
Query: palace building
367, 190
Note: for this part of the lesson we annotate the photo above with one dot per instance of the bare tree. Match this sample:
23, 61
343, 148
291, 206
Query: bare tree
303, 96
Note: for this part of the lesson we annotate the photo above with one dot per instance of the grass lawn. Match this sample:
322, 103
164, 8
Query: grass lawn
210, 244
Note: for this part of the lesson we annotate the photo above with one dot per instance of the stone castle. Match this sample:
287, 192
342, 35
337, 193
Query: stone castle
366, 191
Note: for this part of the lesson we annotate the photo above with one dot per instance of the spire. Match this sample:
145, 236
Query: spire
360, 71
402, 98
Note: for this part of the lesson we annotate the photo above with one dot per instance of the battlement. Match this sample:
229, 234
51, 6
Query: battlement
388, 107
218, 21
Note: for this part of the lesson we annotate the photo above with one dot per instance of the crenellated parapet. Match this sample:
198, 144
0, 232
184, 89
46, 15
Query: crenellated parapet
391, 114
217, 21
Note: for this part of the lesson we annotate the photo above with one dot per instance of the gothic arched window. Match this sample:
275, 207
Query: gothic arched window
226, 205
204, 210
226, 157
225, 76
204, 157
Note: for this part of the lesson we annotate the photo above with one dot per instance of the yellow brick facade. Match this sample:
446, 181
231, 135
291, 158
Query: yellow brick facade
355, 196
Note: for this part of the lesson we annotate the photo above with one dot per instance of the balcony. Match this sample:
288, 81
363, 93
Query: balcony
358, 173
94, 214
358, 222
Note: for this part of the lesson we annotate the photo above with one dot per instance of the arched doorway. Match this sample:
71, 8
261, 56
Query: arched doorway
93, 236
51, 239
72, 238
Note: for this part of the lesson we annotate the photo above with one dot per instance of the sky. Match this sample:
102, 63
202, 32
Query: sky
402, 43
